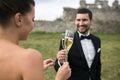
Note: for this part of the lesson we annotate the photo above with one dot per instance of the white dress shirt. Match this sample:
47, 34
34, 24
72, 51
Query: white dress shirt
88, 49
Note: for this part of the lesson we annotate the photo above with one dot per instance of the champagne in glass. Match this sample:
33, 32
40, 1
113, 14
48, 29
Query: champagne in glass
67, 41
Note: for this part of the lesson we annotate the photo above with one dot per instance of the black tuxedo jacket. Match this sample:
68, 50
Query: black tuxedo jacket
78, 63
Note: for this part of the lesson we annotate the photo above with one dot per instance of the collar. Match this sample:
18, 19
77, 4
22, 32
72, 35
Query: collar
80, 34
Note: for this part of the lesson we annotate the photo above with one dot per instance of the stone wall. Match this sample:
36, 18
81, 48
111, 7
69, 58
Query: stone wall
106, 20
98, 14
53, 26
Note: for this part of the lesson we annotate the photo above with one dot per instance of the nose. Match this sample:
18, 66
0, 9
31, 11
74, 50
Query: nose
81, 22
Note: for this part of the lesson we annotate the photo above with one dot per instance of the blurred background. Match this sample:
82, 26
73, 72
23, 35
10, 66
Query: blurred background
52, 9
53, 17
58, 15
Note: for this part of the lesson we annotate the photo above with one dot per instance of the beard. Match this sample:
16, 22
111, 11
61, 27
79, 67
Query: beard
84, 26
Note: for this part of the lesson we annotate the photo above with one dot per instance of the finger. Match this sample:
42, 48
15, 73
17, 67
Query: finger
61, 58
50, 64
48, 60
66, 64
59, 54
63, 50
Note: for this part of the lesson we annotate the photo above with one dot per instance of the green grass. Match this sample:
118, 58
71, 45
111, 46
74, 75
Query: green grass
48, 44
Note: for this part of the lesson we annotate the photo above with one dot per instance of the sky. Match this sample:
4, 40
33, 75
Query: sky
52, 9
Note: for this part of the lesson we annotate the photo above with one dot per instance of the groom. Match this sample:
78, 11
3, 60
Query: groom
84, 55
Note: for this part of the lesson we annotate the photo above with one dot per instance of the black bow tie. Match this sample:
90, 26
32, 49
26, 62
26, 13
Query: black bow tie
85, 37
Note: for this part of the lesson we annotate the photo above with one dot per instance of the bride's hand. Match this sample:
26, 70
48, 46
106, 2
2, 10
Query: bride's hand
47, 63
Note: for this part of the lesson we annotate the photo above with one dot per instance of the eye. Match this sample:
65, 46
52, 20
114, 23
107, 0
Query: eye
78, 19
84, 19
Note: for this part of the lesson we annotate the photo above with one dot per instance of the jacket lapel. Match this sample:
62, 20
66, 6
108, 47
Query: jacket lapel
79, 47
96, 46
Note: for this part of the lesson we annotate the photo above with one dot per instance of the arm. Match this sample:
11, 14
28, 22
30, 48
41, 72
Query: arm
61, 55
99, 63
56, 66
59, 62
99, 69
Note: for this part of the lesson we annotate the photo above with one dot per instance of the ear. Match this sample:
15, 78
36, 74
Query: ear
18, 19
92, 21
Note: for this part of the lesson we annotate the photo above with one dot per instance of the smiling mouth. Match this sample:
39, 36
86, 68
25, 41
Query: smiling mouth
83, 26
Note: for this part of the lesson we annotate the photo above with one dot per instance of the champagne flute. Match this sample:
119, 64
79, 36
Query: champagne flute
67, 41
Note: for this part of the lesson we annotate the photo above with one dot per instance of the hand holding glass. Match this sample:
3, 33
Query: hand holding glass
67, 41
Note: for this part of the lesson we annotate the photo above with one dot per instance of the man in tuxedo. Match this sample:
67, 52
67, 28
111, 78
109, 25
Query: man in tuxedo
84, 55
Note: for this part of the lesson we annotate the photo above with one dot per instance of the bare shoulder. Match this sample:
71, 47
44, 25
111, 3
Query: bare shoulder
25, 64
32, 65
32, 55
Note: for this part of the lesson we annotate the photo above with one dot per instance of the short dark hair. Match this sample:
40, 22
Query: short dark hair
11, 7
85, 10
